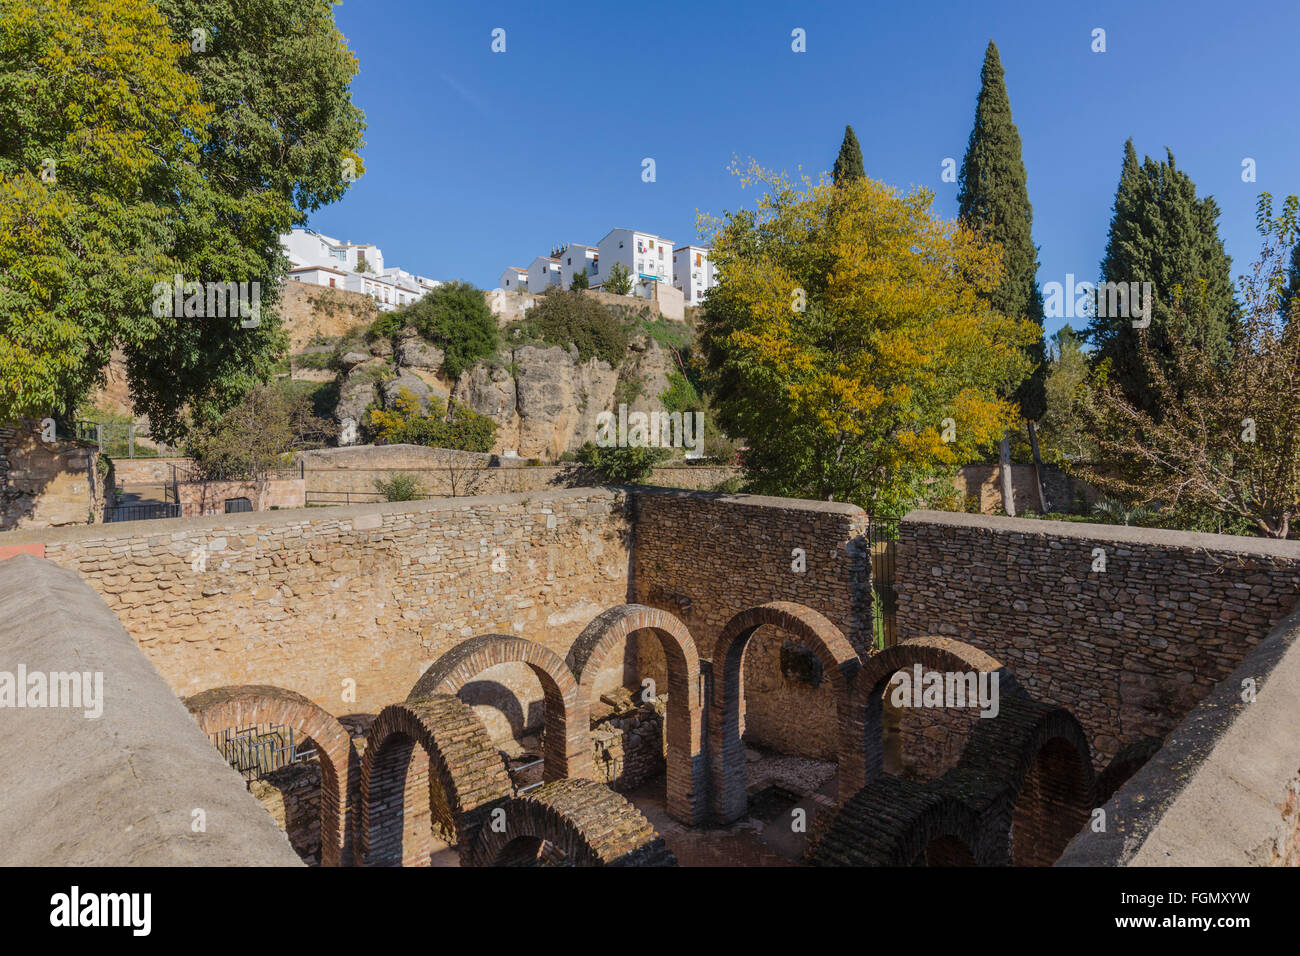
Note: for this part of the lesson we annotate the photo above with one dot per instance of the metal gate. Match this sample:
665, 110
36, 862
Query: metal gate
883, 537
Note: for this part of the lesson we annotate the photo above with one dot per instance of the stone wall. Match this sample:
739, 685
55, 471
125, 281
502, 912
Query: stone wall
47, 484
1129, 650
330, 473
705, 557
291, 795
148, 471
309, 310
348, 606
209, 497
1224, 790
628, 744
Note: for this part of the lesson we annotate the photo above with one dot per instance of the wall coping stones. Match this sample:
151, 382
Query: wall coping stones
1122, 534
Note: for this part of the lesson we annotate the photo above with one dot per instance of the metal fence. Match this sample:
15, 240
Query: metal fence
882, 535
147, 511
118, 439
261, 749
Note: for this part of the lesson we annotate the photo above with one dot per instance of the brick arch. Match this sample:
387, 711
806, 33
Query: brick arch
687, 772
566, 745
933, 654
1040, 755
897, 822
428, 763
726, 751
246, 705
585, 821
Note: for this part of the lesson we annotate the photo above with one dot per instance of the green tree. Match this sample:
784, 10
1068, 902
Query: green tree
1062, 435
848, 164
455, 317
1227, 440
400, 487
993, 198
579, 281
261, 432
362, 264
1161, 233
847, 343
1292, 289
139, 142
619, 281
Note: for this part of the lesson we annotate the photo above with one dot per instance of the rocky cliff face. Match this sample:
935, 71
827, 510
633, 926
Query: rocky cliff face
544, 399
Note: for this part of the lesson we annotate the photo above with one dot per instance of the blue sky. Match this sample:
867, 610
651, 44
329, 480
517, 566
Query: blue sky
479, 160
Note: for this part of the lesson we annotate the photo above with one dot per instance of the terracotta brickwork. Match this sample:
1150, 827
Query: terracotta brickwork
705, 558
1128, 650
585, 822
687, 771
230, 708
429, 771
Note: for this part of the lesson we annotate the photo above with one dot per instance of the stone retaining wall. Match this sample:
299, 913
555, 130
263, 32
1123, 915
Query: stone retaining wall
1129, 649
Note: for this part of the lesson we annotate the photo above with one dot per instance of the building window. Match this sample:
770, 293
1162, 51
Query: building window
331, 281
697, 259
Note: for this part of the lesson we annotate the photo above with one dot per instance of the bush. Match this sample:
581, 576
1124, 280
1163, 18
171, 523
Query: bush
456, 318
462, 429
564, 318
400, 487
621, 466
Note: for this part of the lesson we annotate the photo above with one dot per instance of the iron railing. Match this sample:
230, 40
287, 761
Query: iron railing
148, 511
882, 536
260, 749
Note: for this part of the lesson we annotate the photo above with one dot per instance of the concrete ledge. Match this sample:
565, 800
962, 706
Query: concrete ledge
748, 501
119, 789
1089, 531
1212, 795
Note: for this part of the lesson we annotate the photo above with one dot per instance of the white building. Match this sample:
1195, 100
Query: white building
693, 272
648, 258
514, 279
545, 271
573, 259
319, 259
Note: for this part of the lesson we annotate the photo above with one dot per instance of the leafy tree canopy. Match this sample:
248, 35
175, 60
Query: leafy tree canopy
849, 399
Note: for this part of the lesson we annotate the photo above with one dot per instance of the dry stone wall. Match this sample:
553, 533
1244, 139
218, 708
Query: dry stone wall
1129, 649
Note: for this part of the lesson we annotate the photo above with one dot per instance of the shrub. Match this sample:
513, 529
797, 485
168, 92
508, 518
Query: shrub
461, 428
400, 487
621, 466
456, 318
564, 318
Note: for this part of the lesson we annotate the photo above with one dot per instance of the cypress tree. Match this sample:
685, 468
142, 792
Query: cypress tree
848, 165
993, 196
1292, 289
1161, 233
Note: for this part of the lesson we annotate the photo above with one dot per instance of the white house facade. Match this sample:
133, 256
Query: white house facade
693, 272
648, 258
544, 272
574, 259
514, 279
318, 259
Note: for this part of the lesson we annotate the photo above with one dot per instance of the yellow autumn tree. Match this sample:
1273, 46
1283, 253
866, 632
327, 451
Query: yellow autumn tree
847, 343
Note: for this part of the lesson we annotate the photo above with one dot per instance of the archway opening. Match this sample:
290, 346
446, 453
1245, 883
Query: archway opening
408, 816
1052, 806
